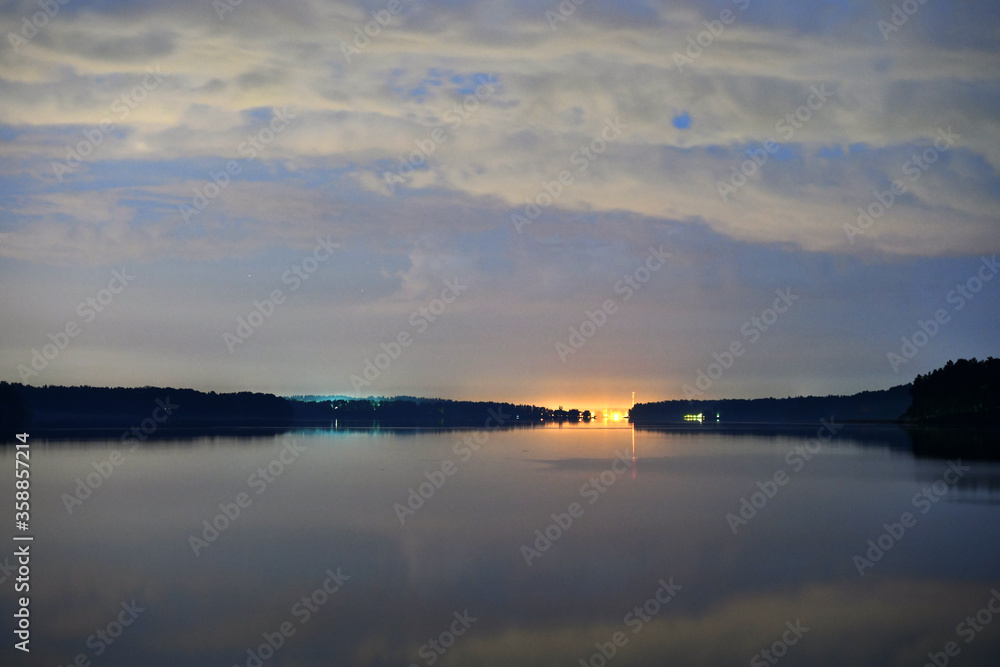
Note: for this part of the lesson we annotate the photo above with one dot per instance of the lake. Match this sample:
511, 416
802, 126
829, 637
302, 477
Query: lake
572, 545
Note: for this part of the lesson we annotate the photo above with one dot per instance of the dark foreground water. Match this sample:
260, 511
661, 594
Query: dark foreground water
640, 562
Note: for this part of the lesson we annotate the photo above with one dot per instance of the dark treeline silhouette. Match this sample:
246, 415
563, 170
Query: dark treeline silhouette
963, 391
13, 412
427, 412
325, 398
27, 408
886, 405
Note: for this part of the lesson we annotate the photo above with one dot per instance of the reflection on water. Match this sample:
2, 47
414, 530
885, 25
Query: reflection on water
968, 443
317, 564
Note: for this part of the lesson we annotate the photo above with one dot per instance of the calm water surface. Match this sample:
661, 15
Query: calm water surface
456, 570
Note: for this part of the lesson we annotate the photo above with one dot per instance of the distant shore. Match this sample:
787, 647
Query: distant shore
963, 397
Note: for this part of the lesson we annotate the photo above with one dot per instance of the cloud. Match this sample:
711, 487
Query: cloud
358, 159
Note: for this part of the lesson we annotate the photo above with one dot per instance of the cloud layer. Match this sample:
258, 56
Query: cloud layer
533, 152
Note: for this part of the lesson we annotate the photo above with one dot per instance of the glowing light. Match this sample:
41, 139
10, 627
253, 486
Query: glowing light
617, 417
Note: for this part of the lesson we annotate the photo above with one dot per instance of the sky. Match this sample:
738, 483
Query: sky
541, 202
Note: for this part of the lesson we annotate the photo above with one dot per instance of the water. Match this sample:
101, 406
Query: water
456, 572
